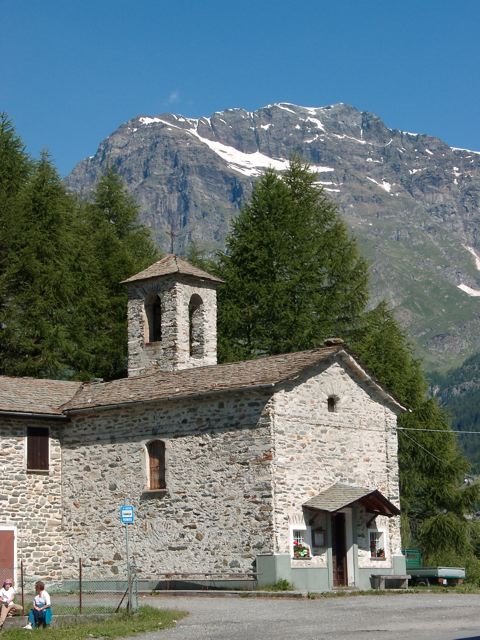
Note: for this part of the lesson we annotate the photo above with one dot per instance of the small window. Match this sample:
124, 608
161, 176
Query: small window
156, 465
332, 403
377, 544
318, 537
300, 550
38, 449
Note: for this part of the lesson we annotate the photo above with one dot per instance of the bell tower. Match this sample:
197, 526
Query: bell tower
172, 317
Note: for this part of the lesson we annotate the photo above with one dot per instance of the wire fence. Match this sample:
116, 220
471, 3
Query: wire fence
79, 595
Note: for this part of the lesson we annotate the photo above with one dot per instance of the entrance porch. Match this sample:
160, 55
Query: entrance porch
345, 540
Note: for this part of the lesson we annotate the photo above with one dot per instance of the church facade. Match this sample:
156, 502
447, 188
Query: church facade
285, 467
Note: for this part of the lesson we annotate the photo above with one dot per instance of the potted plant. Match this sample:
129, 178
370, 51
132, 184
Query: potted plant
300, 551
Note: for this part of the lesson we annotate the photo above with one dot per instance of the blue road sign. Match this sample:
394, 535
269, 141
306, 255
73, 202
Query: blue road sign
127, 514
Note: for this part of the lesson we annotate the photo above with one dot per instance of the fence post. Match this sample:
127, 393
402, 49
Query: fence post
80, 584
135, 587
22, 584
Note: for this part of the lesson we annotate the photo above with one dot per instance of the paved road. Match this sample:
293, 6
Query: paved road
426, 616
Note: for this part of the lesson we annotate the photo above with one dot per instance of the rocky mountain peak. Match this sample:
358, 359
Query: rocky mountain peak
411, 200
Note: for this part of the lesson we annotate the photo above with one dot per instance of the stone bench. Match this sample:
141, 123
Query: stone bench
390, 581
15, 622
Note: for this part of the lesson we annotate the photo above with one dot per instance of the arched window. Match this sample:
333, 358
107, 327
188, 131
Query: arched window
156, 464
153, 309
332, 403
196, 326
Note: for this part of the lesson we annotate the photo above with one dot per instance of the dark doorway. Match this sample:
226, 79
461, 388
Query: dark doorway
339, 551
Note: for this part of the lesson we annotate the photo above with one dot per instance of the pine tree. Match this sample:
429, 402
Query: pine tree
15, 167
293, 277
434, 499
38, 286
121, 247
293, 274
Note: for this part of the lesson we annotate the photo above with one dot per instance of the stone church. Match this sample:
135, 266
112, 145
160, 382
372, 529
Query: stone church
285, 466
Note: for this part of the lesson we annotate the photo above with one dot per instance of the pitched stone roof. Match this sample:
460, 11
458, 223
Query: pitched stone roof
339, 496
251, 374
58, 397
35, 396
172, 264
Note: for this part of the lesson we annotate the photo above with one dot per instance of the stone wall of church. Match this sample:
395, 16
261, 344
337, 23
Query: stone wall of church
172, 352
355, 444
216, 512
30, 502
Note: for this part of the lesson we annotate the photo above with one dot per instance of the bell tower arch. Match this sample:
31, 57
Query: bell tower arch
172, 317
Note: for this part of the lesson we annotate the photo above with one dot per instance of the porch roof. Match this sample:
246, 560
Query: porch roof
339, 496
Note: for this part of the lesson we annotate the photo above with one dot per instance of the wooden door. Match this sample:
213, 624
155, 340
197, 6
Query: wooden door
7, 554
339, 551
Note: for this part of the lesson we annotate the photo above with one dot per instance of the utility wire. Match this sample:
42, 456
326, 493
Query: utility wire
426, 450
446, 431
436, 430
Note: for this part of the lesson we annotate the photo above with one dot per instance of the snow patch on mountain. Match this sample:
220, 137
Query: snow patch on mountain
475, 255
467, 150
316, 122
474, 293
386, 186
249, 164
147, 120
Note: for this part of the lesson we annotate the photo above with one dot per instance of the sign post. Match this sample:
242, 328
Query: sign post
127, 516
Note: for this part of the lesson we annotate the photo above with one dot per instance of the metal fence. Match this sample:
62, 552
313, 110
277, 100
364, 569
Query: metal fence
80, 594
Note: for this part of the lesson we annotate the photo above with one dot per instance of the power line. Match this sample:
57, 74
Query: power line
437, 430
426, 450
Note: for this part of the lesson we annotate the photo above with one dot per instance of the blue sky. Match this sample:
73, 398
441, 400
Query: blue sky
72, 71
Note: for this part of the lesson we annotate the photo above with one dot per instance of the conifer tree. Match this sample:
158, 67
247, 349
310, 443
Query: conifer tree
293, 274
38, 286
434, 499
62, 304
121, 247
15, 166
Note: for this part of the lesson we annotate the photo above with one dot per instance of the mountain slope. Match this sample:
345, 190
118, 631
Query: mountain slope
410, 199
458, 391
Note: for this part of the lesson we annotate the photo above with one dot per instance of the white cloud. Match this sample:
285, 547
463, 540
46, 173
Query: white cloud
172, 98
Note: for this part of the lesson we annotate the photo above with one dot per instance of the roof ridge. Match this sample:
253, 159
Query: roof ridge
168, 265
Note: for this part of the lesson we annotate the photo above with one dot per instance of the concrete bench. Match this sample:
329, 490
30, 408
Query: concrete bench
390, 581
15, 622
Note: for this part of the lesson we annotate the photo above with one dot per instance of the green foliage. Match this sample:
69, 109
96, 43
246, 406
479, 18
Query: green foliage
442, 534
434, 499
458, 391
15, 167
62, 304
383, 347
463, 550
279, 585
116, 626
119, 248
37, 282
293, 275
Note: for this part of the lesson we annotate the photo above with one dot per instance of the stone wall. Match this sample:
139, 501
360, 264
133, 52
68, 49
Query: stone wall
30, 502
173, 351
315, 448
216, 513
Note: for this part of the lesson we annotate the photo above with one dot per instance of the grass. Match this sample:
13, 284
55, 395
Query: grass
117, 626
280, 585
73, 610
